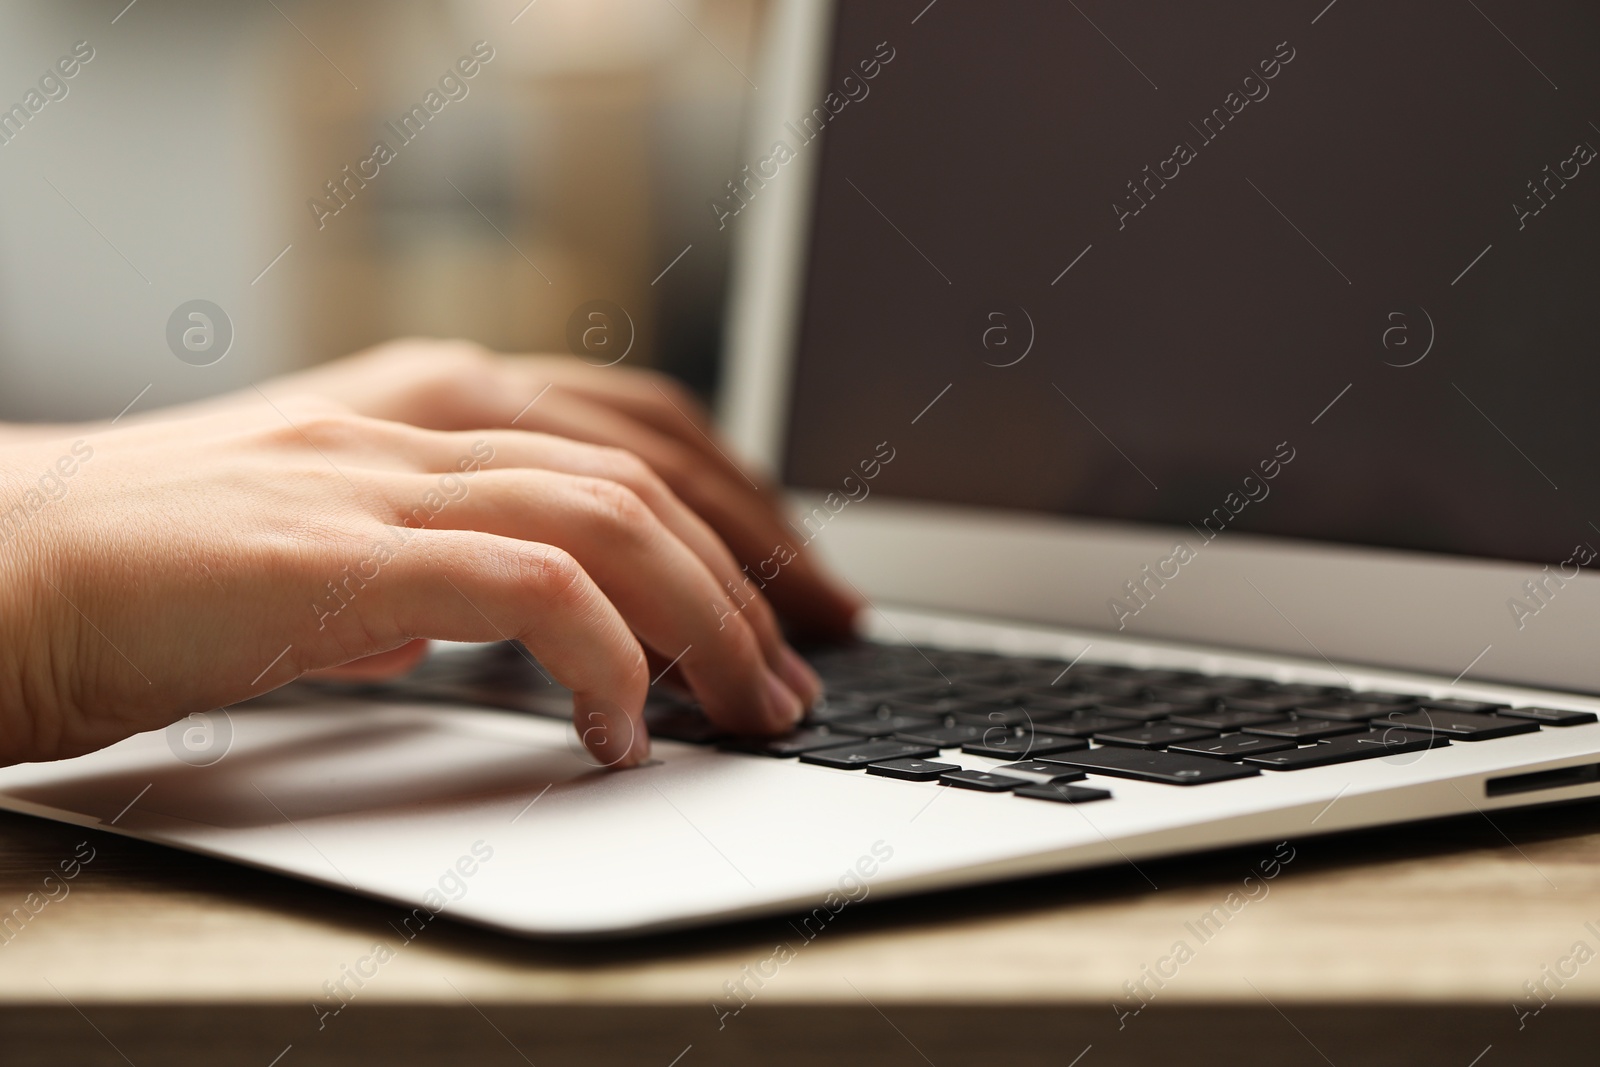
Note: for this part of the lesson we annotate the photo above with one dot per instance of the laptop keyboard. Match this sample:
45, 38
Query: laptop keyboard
908, 714
927, 715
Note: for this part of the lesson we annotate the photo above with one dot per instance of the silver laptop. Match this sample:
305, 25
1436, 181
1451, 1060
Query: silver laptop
1205, 402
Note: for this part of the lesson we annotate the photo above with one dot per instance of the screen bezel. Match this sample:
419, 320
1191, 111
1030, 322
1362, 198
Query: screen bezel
1435, 613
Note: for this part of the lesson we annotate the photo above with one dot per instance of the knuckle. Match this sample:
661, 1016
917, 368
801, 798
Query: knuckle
552, 575
615, 505
623, 465
627, 468
327, 427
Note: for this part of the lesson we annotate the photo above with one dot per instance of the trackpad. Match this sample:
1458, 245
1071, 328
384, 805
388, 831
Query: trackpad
311, 762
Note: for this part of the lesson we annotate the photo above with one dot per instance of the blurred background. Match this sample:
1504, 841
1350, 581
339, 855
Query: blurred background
181, 162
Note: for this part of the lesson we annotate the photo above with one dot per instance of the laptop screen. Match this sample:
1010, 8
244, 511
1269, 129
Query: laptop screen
1311, 270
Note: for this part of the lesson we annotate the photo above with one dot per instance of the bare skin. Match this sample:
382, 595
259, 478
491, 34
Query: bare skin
185, 562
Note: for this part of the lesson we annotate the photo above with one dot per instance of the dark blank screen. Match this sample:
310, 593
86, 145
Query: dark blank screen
1296, 253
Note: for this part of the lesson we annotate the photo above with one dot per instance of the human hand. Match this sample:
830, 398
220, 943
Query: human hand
456, 385
189, 564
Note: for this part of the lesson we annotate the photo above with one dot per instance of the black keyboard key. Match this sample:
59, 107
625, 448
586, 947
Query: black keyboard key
1021, 746
994, 716
1081, 724
889, 703
790, 745
1358, 711
1305, 729
828, 714
1233, 746
681, 722
1461, 726
1223, 719
1040, 771
1271, 703
1047, 705
931, 733
947, 697
1228, 683
1349, 748
981, 780
1062, 793
881, 725
1147, 710
1373, 697
1022, 677
911, 770
1169, 768
854, 757
1197, 695
833, 708
1471, 707
1305, 690
1154, 735
1551, 716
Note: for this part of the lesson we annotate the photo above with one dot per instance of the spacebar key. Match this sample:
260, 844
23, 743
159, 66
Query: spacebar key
1350, 747
1168, 768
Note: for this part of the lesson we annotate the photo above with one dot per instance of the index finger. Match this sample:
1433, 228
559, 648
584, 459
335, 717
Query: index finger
465, 585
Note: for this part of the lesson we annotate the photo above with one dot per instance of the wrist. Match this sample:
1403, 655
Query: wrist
18, 576
32, 482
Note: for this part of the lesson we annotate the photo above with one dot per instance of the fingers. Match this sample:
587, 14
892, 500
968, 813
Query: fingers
741, 589
455, 386
665, 592
747, 521
460, 585
384, 665
655, 400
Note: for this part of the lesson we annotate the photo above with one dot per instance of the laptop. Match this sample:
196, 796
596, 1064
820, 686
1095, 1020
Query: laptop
1203, 399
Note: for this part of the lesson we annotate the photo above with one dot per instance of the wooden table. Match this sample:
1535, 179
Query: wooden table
1404, 946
